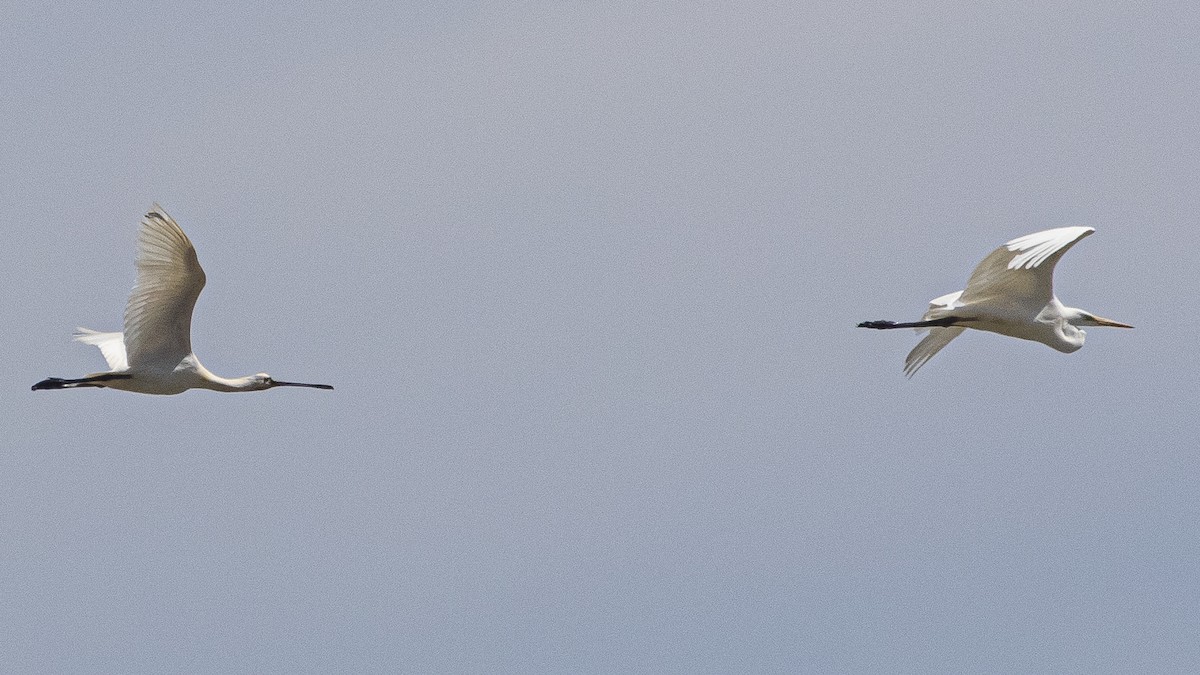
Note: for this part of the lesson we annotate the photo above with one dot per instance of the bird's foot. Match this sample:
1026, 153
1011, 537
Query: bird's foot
49, 383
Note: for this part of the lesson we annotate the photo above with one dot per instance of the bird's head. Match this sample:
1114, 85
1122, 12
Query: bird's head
264, 381
1078, 317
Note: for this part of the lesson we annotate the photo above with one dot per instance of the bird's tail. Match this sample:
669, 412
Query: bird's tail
112, 346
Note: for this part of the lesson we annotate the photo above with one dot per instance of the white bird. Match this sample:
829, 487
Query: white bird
1012, 293
154, 354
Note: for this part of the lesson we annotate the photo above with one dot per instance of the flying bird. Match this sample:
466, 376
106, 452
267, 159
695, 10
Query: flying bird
154, 354
1012, 293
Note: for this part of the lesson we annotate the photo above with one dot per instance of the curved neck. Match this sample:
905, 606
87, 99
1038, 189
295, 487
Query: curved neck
218, 383
226, 384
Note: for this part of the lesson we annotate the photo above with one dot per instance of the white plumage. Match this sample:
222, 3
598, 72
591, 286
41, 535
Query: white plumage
154, 354
112, 346
1011, 292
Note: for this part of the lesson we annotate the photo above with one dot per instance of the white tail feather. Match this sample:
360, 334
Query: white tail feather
112, 346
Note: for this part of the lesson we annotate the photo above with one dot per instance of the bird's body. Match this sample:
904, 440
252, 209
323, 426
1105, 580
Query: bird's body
1011, 292
154, 354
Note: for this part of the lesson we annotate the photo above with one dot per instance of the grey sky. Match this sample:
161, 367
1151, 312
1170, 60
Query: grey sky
585, 276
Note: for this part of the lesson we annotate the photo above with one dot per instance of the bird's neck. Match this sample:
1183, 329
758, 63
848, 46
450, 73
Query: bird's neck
218, 383
1073, 315
225, 384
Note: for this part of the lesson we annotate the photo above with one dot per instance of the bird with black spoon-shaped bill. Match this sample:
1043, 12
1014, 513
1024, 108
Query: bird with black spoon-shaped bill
154, 354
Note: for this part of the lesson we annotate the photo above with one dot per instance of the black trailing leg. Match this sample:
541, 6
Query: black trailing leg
944, 322
91, 381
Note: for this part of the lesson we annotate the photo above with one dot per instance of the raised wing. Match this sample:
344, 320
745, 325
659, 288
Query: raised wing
158, 316
1021, 272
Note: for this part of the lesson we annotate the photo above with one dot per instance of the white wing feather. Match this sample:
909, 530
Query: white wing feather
112, 346
1021, 272
158, 316
931, 344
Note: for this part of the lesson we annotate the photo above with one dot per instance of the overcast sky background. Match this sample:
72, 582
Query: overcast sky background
586, 276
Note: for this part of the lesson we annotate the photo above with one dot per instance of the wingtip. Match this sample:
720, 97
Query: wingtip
1031, 250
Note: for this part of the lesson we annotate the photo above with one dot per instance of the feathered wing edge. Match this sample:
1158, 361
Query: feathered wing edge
931, 344
1022, 269
158, 314
1032, 250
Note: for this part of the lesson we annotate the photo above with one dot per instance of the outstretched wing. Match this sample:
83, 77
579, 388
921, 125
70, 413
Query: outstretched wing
1021, 272
158, 316
931, 344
